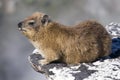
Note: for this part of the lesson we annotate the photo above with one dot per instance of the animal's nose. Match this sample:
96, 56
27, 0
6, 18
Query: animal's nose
20, 24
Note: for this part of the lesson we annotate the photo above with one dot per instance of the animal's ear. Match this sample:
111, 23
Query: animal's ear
45, 19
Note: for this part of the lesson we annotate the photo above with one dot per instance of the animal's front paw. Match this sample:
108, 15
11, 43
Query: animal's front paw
43, 62
36, 51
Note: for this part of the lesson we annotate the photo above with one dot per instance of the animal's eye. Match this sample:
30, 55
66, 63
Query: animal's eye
31, 23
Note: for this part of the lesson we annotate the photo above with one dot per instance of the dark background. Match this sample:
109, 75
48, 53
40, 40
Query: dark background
15, 48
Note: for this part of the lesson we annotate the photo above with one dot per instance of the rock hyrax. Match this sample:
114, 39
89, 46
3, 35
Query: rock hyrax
84, 42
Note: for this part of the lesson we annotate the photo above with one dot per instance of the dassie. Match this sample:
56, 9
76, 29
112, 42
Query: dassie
84, 42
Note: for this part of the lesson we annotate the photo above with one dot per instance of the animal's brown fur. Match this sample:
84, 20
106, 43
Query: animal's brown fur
84, 42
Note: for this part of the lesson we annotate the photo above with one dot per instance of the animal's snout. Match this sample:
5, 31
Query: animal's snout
20, 25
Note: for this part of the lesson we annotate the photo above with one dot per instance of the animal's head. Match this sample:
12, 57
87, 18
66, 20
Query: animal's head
33, 24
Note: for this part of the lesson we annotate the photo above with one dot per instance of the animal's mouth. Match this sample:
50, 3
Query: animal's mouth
21, 29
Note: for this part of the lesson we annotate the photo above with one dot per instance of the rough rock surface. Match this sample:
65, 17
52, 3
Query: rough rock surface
103, 69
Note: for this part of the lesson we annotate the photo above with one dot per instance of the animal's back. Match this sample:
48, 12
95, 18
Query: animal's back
91, 41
